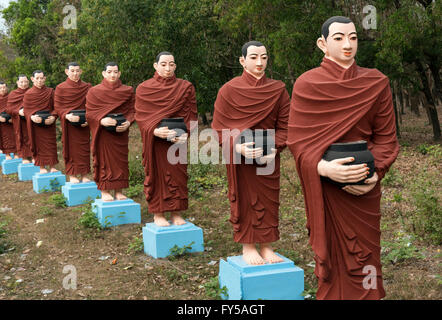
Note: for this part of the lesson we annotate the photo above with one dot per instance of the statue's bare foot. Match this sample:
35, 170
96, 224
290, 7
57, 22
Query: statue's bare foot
16, 157
54, 169
8, 157
268, 254
85, 179
73, 179
43, 170
160, 220
106, 196
177, 219
250, 255
26, 161
119, 195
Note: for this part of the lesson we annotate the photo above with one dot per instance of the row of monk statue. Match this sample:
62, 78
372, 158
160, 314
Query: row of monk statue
338, 102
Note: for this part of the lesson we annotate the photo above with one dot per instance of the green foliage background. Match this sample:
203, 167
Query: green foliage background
206, 37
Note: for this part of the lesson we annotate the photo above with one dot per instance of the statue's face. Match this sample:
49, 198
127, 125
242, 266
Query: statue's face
255, 62
23, 83
3, 89
38, 80
111, 74
73, 73
166, 66
341, 44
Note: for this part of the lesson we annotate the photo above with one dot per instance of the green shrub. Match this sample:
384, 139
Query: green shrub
399, 250
88, 218
204, 177
58, 200
134, 190
427, 218
136, 171
213, 289
137, 245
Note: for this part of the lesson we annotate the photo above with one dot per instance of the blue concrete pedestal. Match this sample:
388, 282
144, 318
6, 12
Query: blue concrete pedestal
10, 166
276, 281
3, 156
159, 240
113, 213
80, 193
48, 182
26, 171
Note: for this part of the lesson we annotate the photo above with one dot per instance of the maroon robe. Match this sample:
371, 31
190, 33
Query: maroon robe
71, 95
110, 149
248, 103
332, 104
7, 137
41, 139
15, 103
165, 184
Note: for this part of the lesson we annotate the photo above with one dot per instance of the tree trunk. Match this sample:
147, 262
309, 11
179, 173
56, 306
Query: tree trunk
396, 113
430, 105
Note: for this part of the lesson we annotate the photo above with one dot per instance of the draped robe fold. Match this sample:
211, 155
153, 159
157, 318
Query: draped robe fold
165, 185
42, 140
15, 103
7, 137
332, 104
70, 95
109, 149
248, 103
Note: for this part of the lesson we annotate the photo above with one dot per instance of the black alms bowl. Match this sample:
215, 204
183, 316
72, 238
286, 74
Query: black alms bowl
6, 115
82, 114
176, 124
261, 138
358, 150
43, 114
120, 120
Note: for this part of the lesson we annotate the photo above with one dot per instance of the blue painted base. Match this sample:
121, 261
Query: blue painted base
113, 213
277, 281
3, 156
10, 166
159, 240
80, 193
48, 182
26, 171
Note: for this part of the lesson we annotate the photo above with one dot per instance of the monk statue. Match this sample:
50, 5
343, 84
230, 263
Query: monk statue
253, 102
38, 108
109, 113
334, 106
15, 109
69, 98
7, 137
161, 97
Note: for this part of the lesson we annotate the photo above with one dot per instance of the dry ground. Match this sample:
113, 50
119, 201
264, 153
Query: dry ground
107, 270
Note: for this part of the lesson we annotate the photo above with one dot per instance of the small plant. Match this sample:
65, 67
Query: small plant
58, 200
4, 245
176, 252
392, 178
134, 190
55, 185
213, 289
137, 245
88, 218
46, 211
399, 250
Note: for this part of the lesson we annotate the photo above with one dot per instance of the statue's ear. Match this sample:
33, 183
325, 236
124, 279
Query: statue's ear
322, 44
242, 61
